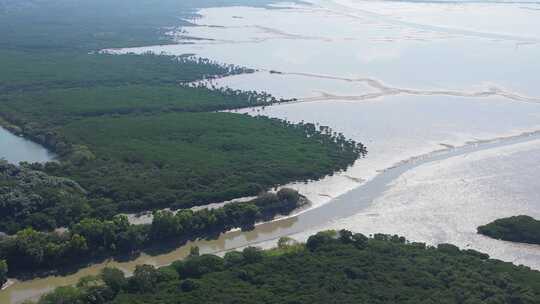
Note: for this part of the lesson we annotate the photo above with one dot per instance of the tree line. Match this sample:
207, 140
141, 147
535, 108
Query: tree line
331, 267
30, 251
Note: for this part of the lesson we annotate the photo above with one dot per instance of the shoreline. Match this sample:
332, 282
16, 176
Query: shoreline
9, 283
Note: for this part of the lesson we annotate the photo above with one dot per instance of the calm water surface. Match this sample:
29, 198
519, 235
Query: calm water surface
15, 149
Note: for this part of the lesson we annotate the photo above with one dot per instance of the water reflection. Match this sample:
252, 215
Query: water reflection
445, 201
15, 149
396, 43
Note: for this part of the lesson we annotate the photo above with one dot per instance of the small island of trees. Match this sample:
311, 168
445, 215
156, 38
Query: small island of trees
521, 228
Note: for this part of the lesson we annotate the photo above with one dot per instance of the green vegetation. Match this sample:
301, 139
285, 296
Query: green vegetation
3, 272
24, 71
331, 268
82, 25
178, 160
137, 147
134, 132
30, 251
31, 198
521, 228
40, 115
186, 159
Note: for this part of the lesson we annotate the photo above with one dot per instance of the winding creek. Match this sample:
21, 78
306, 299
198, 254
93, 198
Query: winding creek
447, 103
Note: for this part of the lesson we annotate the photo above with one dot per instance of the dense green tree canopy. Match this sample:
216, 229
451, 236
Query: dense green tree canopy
30, 251
114, 279
522, 228
132, 133
345, 268
130, 130
3, 272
